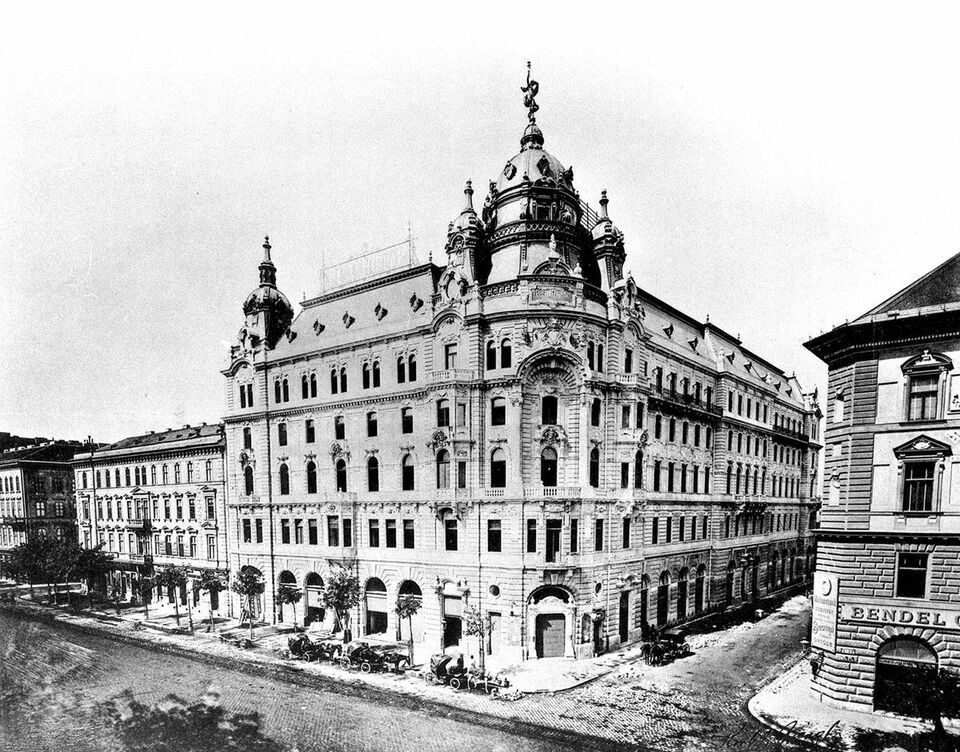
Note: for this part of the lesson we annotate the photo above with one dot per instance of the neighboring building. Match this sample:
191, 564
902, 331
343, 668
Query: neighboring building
155, 500
36, 493
521, 430
7, 441
886, 612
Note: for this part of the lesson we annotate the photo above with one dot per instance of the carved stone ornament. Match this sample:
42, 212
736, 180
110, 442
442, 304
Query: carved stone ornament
439, 439
336, 449
644, 437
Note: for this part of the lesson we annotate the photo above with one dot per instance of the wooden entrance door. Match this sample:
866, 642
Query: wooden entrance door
551, 635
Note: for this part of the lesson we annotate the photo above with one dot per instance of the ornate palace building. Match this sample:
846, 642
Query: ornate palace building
155, 500
886, 615
521, 430
36, 493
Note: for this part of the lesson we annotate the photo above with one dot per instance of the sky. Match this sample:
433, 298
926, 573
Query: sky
780, 168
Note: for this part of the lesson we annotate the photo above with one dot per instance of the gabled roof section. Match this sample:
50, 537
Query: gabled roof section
53, 451
176, 438
941, 286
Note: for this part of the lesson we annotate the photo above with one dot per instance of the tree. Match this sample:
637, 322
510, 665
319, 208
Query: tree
289, 595
62, 561
145, 587
173, 578
342, 593
477, 625
91, 563
407, 607
249, 585
211, 583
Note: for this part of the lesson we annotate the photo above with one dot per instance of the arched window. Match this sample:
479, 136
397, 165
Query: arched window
506, 354
136, 476
443, 469
548, 467
304, 386
248, 480
906, 677
126, 477
339, 429
401, 370
638, 470
286, 390
334, 384
282, 434
600, 358
373, 474
310, 431
682, 593
595, 407
412, 368
709, 393
365, 376
548, 411
311, 477
591, 362
284, 479
371, 424
343, 379
376, 373
341, 474
498, 411
313, 385
595, 467
277, 391
491, 355
663, 599
700, 593
406, 473
498, 469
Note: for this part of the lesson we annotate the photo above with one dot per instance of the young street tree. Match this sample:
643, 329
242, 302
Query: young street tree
290, 595
173, 578
212, 584
342, 593
145, 586
407, 607
475, 625
249, 585
91, 564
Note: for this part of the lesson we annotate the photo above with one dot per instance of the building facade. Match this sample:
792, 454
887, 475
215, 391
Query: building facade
521, 430
36, 493
155, 500
886, 614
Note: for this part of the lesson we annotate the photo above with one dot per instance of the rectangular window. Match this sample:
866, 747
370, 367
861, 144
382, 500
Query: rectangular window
624, 475
461, 414
247, 537
450, 535
918, 486
628, 360
625, 416
443, 413
211, 547
371, 424
682, 530
598, 535
409, 535
655, 530
339, 431
311, 433
683, 478
656, 475
347, 533
284, 531
333, 531
298, 532
531, 536
494, 536
450, 358
258, 530
406, 420
923, 397
574, 535
626, 532
639, 415
554, 530
911, 575
373, 533
313, 537
391, 526
461, 474
669, 531
671, 471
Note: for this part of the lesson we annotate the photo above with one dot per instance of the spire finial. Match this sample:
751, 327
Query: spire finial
468, 192
266, 247
603, 204
529, 99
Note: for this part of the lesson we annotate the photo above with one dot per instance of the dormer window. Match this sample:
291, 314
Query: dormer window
925, 376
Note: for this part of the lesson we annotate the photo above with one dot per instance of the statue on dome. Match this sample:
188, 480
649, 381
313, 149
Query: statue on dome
529, 99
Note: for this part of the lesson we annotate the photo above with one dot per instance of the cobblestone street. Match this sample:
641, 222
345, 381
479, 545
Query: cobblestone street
695, 703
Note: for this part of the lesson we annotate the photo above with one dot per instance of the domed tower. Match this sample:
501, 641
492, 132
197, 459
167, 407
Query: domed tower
533, 220
268, 312
464, 241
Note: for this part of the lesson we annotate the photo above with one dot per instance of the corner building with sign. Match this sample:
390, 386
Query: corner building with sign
519, 429
887, 590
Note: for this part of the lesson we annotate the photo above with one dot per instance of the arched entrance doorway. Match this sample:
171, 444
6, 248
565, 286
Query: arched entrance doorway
375, 606
728, 594
313, 598
251, 608
682, 593
906, 674
700, 587
412, 625
663, 599
287, 579
551, 613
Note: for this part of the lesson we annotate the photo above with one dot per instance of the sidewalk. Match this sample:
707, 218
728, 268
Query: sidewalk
789, 706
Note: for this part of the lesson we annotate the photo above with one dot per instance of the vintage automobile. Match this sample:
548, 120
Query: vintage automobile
482, 681
448, 669
359, 654
303, 648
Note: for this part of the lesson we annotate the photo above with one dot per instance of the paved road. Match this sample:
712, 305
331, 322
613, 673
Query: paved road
694, 704
68, 673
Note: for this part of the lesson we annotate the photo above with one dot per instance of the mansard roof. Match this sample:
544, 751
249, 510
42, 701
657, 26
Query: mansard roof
938, 287
176, 438
52, 451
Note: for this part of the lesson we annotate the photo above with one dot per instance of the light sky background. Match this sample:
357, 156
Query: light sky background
780, 168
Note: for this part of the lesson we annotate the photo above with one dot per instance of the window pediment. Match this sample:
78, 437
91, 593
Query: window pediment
928, 361
922, 447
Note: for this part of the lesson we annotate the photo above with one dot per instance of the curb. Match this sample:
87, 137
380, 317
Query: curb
351, 684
